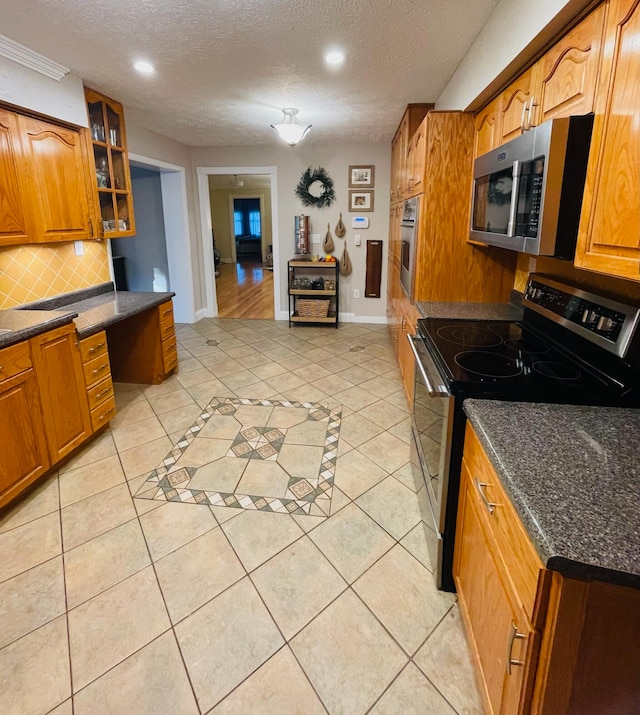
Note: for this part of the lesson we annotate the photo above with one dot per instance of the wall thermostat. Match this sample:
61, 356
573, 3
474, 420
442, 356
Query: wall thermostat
359, 222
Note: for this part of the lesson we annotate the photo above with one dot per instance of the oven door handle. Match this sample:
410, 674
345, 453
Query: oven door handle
441, 391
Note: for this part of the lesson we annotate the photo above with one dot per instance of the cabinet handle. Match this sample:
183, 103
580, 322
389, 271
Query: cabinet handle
168, 311
91, 227
522, 116
512, 637
95, 348
103, 393
491, 507
532, 104
105, 414
100, 369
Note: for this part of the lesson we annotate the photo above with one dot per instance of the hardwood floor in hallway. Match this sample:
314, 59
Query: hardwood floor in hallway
244, 290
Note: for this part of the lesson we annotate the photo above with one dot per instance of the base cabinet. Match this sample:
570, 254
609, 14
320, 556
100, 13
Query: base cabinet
23, 456
56, 357
542, 644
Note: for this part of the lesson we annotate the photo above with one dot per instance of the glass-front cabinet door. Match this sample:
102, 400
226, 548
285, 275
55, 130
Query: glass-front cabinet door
112, 176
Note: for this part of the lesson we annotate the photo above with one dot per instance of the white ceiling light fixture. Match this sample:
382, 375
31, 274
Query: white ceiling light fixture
290, 129
16, 52
334, 57
144, 67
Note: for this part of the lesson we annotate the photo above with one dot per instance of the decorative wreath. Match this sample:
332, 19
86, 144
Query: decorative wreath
309, 177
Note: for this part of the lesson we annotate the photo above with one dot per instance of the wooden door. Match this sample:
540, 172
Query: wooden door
609, 234
498, 631
13, 190
58, 366
568, 73
514, 106
55, 157
23, 456
487, 128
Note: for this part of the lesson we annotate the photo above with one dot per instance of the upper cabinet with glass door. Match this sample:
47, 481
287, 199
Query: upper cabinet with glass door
114, 203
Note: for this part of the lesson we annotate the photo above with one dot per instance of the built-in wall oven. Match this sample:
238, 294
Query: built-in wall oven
571, 347
408, 241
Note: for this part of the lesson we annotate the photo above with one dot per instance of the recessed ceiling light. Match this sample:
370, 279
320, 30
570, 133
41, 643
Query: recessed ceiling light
335, 57
144, 67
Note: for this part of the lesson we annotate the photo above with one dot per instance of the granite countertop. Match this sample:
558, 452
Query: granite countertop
573, 473
25, 324
92, 309
469, 311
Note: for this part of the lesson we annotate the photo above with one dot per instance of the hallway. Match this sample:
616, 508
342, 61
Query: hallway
244, 290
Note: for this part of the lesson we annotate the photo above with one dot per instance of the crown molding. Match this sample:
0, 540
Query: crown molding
16, 52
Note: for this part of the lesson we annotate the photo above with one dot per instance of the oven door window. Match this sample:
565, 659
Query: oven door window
492, 201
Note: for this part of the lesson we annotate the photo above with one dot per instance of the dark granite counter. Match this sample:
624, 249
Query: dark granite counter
23, 324
92, 309
469, 311
573, 473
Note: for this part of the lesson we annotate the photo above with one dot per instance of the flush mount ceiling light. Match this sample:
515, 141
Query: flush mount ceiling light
290, 129
28, 58
144, 67
335, 57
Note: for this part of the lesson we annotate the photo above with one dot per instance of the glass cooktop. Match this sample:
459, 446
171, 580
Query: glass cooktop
507, 357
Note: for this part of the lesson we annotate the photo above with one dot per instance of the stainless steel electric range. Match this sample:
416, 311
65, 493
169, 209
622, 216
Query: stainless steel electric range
571, 346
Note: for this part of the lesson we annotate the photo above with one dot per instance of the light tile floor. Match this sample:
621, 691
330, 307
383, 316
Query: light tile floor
246, 537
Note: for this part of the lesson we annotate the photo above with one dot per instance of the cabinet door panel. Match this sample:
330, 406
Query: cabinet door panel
513, 101
64, 400
54, 156
609, 238
487, 128
13, 217
23, 456
569, 71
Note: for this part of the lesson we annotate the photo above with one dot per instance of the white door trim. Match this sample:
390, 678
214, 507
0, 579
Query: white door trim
211, 307
176, 226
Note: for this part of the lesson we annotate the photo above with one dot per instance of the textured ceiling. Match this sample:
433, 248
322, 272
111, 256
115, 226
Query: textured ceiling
225, 68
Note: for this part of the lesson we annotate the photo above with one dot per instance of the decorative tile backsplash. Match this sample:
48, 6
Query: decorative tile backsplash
35, 271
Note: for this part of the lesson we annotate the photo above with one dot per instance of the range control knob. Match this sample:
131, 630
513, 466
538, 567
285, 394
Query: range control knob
605, 324
589, 317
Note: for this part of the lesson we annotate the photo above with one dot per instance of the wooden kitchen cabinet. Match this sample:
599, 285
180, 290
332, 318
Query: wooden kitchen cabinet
56, 358
542, 643
54, 158
608, 238
43, 181
111, 176
23, 456
97, 379
561, 83
416, 158
13, 188
402, 151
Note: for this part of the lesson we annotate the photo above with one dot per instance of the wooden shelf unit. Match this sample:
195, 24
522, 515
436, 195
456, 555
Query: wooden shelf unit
314, 269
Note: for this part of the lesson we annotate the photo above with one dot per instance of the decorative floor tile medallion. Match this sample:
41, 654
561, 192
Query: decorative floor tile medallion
305, 493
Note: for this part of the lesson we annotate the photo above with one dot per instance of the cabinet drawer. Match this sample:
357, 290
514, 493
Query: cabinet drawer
167, 331
14, 360
101, 414
100, 393
93, 346
518, 555
96, 370
165, 312
169, 358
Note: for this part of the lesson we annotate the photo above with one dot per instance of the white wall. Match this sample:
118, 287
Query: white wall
335, 158
512, 35
26, 88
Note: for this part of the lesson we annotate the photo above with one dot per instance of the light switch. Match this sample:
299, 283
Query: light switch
315, 238
356, 240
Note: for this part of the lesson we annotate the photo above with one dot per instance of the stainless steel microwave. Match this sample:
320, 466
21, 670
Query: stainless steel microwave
527, 193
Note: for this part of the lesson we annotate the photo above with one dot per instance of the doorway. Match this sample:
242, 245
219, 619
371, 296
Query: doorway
237, 213
240, 288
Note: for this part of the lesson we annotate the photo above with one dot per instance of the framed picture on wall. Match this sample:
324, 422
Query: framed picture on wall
360, 201
361, 177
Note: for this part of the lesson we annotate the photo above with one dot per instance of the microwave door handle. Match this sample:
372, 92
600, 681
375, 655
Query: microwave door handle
430, 388
513, 210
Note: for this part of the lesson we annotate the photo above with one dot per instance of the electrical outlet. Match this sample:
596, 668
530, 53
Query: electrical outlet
315, 238
356, 293
78, 248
